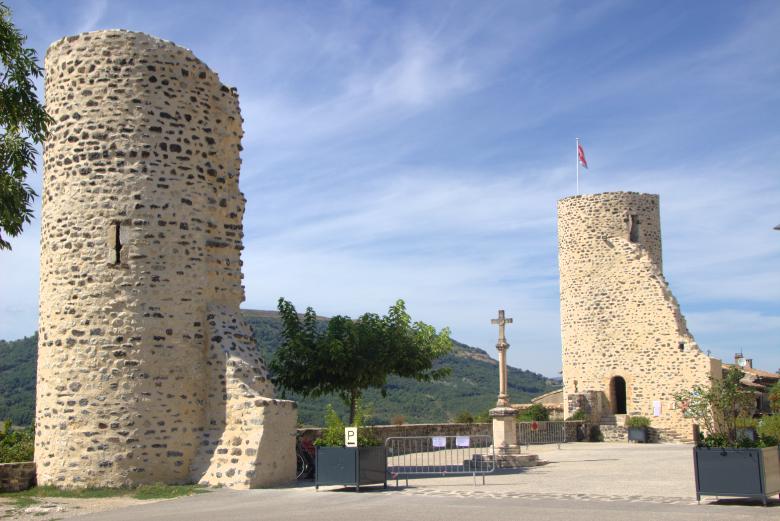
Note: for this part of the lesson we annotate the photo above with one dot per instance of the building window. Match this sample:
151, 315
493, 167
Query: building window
115, 243
633, 234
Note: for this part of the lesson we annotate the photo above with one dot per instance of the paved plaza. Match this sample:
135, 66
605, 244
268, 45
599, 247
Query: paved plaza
583, 481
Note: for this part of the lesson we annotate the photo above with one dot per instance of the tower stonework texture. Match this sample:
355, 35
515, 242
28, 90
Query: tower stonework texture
625, 343
146, 370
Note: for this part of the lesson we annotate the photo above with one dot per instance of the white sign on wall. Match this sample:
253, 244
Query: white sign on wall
350, 436
656, 407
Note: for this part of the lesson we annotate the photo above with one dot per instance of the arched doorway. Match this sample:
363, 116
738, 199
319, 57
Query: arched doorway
618, 395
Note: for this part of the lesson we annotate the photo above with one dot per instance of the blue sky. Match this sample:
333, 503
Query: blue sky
416, 150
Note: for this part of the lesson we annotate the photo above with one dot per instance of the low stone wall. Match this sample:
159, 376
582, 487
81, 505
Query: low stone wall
17, 476
383, 432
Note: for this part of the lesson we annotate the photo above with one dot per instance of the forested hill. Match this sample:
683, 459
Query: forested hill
472, 386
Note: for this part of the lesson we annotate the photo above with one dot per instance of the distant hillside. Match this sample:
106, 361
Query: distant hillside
18, 360
472, 385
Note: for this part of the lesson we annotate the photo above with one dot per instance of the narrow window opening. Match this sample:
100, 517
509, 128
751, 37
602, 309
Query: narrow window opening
633, 235
117, 243
681, 346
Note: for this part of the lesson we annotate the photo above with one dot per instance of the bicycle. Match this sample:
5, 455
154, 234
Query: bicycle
304, 457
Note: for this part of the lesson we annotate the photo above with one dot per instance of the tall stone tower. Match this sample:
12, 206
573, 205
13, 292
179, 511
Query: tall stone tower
626, 346
146, 370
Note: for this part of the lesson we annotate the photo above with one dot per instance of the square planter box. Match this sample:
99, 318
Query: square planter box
350, 466
638, 434
751, 473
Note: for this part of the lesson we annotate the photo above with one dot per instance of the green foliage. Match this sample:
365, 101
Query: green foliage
23, 123
471, 385
16, 445
718, 407
536, 412
774, 397
769, 426
333, 433
353, 355
578, 416
746, 422
637, 422
17, 379
463, 417
483, 417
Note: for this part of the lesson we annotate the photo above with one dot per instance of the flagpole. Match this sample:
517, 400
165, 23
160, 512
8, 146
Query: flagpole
578, 166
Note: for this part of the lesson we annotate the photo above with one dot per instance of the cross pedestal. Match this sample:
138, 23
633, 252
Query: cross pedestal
507, 451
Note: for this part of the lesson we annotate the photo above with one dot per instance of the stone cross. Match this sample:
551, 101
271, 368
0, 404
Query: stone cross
502, 346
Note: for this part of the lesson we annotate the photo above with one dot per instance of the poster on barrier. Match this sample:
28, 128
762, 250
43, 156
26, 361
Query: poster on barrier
439, 442
462, 441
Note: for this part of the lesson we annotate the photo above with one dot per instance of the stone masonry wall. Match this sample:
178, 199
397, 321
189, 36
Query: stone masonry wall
144, 363
17, 476
618, 316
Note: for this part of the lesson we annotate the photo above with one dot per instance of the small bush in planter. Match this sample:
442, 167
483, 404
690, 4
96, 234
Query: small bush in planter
333, 433
637, 428
336, 464
637, 422
724, 463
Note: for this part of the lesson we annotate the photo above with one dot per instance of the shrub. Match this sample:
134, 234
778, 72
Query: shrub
718, 407
333, 433
483, 417
745, 422
16, 445
774, 397
578, 416
769, 426
463, 417
536, 412
637, 422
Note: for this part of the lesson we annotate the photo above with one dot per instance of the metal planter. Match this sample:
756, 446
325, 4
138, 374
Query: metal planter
638, 434
350, 466
753, 473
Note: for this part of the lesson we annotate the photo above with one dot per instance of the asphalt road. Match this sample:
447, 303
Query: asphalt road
339, 505
579, 481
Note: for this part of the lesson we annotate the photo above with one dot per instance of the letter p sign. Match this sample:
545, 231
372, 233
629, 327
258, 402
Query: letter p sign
350, 436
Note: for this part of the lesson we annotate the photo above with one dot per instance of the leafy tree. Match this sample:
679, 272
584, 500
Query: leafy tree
350, 356
23, 122
718, 407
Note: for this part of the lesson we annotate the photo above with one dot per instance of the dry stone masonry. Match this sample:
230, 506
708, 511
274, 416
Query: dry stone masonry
626, 345
146, 371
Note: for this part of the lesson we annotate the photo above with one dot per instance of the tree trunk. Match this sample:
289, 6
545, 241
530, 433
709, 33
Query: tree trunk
353, 398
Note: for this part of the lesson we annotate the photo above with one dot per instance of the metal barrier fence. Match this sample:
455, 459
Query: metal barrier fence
444, 455
543, 432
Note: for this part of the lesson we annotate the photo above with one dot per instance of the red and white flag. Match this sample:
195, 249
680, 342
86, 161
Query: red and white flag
581, 155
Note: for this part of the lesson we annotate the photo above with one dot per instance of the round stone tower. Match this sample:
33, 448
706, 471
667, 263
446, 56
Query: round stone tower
625, 343
141, 273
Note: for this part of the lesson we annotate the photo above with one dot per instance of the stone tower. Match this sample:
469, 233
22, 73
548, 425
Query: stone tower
146, 370
626, 347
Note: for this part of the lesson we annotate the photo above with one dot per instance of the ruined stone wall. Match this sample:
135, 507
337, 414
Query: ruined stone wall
141, 235
618, 316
